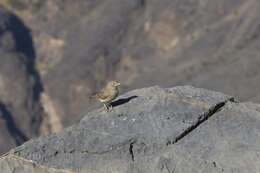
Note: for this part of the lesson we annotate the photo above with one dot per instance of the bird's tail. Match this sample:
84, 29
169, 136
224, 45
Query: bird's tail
93, 96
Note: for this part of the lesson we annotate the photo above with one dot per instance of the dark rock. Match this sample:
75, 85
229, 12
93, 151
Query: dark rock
181, 129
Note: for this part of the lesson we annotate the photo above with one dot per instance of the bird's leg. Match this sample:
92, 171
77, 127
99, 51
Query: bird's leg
106, 107
110, 107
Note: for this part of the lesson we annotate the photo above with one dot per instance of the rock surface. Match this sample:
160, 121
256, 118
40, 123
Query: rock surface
180, 129
14, 164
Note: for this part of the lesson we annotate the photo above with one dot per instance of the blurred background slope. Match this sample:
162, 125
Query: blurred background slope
55, 53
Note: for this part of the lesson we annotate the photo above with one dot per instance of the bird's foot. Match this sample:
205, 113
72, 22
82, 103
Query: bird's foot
110, 108
105, 107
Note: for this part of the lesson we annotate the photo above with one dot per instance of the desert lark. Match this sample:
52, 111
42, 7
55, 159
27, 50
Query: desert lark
108, 94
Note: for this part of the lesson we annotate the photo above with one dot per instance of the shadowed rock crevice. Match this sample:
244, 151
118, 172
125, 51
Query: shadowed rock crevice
14, 131
24, 44
129, 143
131, 151
20, 84
200, 121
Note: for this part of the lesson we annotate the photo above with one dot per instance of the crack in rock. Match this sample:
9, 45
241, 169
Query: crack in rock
131, 151
17, 134
118, 146
201, 120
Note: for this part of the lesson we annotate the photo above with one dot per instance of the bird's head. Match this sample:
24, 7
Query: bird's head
113, 84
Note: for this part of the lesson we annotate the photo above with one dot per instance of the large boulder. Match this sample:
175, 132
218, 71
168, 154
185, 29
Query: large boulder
180, 129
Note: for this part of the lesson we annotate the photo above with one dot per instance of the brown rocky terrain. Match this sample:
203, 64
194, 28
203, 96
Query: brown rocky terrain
79, 45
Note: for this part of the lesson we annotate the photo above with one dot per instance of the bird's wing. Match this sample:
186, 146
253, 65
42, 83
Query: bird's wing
103, 95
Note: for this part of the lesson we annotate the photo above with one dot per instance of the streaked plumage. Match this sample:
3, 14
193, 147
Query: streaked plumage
108, 94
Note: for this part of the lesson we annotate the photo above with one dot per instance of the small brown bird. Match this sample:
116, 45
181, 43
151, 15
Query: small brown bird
108, 94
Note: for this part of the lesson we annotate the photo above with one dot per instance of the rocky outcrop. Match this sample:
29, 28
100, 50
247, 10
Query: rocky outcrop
180, 129
20, 86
